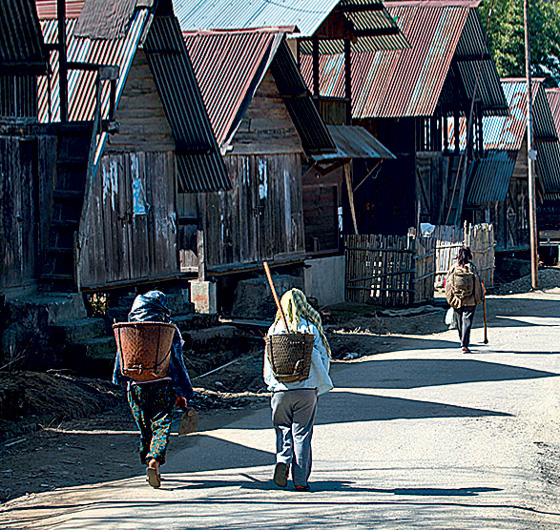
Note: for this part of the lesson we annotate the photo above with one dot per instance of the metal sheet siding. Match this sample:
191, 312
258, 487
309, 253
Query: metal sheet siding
490, 177
21, 41
167, 55
553, 96
307, 16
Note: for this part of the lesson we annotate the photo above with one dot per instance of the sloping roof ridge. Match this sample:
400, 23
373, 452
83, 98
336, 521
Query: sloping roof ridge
467, 4
522, 79
264, 29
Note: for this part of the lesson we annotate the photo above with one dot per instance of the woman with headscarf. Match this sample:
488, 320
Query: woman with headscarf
294, 405
152, 402
464, 291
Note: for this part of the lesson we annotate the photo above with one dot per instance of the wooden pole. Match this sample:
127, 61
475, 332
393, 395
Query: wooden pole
62, 60
273, 289
531, 156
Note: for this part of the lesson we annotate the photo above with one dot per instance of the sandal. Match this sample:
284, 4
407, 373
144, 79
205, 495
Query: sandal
153, 477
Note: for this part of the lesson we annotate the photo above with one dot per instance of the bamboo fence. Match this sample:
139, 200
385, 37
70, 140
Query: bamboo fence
389, 271
480, 239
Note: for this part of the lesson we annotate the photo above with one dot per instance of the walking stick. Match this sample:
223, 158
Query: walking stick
271, 283
485, 341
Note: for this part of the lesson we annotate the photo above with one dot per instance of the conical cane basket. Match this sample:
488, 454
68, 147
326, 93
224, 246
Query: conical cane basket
289, 355
144, 349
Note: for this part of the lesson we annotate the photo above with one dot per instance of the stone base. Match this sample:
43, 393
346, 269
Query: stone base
203, 296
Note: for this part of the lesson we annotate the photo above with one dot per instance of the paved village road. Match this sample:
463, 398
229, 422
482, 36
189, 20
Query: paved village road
422, 437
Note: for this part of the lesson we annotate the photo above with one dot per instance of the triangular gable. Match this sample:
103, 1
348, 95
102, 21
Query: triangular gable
204, 171
230, 67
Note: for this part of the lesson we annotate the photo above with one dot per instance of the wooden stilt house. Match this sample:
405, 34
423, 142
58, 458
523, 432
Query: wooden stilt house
497, 189
134, 134
404, 98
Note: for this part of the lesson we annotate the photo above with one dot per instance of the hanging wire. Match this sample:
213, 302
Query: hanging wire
469, 121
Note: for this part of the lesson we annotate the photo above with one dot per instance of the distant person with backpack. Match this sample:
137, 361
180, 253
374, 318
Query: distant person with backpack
294, 401
463, 290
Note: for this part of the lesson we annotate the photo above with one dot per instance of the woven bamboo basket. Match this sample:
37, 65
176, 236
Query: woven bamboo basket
144, 349
289, 355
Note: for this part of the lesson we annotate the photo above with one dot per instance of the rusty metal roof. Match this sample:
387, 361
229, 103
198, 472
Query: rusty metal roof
553, 96
200, 165
21, 41
509, 132
354, 142
230, 66
46, 9
445, 36
306, 16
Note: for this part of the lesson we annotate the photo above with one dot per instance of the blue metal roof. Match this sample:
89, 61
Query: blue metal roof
304, 16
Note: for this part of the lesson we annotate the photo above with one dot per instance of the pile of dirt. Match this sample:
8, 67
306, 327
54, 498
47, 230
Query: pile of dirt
549, 278
29, 400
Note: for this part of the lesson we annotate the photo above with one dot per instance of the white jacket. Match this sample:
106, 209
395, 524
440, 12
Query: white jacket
320, 363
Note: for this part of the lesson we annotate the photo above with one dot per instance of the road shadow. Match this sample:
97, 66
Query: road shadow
345, 407
416, 373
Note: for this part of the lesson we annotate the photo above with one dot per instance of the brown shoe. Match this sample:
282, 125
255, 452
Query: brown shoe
465, 349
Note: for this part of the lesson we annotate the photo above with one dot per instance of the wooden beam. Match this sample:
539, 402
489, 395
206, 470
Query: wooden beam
348, 80
471, 58
316, 66
349, 188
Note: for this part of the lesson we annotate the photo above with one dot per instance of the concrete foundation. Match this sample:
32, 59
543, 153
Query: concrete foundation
325, 279
203, 296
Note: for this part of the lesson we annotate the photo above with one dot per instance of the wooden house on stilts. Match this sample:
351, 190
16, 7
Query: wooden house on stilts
135, 135
404, 98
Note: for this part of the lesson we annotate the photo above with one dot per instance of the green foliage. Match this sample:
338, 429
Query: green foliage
506, 37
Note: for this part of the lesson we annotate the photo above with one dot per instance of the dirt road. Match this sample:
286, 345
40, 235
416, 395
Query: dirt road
417, 436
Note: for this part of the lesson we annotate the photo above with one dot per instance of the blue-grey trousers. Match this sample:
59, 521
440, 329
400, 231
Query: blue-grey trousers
464, 318
293, 416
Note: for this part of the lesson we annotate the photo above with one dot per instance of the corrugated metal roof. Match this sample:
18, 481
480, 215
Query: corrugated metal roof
553, 96
230, 66
354, 142
307, 16
201, 167
46, 9
489, 177
509, 132
410, 82
21, 40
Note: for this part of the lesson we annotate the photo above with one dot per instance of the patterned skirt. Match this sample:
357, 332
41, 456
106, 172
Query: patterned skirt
152, 408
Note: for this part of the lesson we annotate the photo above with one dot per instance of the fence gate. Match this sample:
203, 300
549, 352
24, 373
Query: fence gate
382, 269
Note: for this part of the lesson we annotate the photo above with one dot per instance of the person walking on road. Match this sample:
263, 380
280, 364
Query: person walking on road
152, 402
464, 291
294, 404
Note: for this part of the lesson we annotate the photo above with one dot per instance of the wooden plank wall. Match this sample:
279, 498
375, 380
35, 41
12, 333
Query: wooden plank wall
143, 125
124, 244
322, 195
425, 268
26, 177
266, 127
261, 217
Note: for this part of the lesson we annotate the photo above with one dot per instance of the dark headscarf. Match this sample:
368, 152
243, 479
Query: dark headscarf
151, 307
